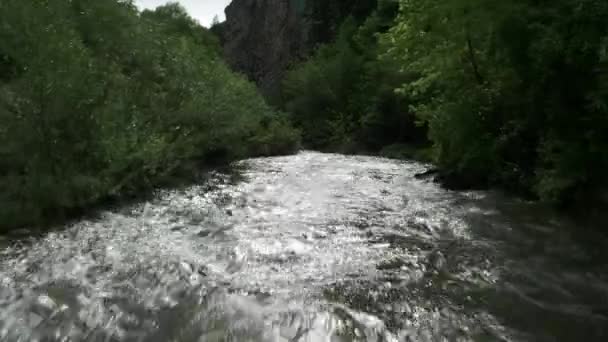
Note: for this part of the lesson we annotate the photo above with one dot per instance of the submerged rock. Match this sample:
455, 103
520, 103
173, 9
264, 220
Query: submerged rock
196, 216
44, 306
178, 228
204, 233
186, 267
437, 261
431, 173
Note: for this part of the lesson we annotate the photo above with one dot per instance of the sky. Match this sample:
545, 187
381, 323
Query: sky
202, 10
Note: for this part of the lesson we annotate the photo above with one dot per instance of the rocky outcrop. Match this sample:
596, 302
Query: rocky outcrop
261, 38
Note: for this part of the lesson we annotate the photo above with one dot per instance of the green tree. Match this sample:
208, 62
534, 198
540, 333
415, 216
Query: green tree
343, 96
513, 92
98, 100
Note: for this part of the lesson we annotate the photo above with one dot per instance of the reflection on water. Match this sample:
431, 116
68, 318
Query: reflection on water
312, 247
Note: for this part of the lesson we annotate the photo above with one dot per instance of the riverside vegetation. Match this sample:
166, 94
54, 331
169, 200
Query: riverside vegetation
510, 94
99, 100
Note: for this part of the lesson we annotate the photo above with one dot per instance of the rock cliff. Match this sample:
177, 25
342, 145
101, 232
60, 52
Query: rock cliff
262, 37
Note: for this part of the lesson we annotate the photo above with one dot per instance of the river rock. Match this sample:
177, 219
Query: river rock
196, 216
319, 234
427, 174
392, 264
178, 228
419, 224
148, 211
203, 233
437, 261
201, 270
186, 267
403, 308
44, 305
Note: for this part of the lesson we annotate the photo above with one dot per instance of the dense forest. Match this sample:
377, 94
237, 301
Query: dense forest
98, 100
509, 94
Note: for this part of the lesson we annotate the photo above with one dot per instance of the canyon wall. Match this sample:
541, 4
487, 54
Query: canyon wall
261, 38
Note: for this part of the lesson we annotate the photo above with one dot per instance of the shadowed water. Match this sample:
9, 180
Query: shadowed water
312, 247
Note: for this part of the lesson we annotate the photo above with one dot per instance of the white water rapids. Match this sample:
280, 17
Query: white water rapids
311, 247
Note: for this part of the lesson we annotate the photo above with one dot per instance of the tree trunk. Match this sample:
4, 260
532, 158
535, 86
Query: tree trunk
473, 60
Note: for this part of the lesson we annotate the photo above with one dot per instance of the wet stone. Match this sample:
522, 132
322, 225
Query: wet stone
202, 270
437, 261
419, 225
44, 305
392, 264
196, 216
403, 308
320, 235
204, 233
186, 267
178, 228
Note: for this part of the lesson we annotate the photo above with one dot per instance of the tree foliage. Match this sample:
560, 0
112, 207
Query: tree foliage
97, 99
513, 94
343, 96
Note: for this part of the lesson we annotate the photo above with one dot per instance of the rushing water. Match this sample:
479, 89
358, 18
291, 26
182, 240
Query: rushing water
312, 247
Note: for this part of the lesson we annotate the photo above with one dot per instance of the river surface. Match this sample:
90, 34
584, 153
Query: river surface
311, 247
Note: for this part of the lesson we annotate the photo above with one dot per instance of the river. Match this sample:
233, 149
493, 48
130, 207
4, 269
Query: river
311, 247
